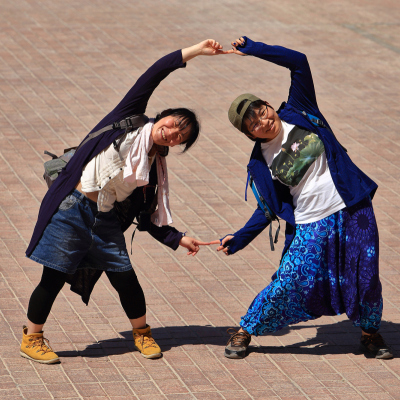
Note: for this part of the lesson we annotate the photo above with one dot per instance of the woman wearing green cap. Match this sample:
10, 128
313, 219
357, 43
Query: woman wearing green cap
303, 175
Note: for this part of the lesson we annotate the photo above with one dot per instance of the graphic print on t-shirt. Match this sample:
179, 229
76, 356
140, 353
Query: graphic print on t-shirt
300, 150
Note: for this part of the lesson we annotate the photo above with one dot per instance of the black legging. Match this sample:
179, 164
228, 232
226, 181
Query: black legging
125, 283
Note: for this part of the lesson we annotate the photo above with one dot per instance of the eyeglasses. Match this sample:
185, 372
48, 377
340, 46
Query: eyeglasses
262, 115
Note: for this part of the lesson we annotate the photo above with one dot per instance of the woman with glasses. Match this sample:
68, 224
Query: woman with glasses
303, 175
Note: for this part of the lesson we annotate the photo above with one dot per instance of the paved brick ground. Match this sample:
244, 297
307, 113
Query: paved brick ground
63, 65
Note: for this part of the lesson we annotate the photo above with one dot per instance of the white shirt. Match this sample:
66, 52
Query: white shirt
315, 196
104, 173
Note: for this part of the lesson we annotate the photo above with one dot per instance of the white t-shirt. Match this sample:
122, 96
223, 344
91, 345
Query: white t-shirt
104, 173
299, 161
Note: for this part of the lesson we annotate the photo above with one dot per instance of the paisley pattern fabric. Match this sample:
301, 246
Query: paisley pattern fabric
330, 268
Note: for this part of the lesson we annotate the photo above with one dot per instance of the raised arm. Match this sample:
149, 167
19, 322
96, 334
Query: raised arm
138, 97
301, 90
135, 101
208, 47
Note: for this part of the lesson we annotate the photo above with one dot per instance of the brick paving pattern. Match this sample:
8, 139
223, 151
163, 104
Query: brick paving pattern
64, 65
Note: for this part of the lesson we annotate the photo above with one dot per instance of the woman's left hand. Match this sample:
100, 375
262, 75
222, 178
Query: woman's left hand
193, 245
210, 47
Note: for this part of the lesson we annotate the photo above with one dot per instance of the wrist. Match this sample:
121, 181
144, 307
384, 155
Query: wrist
190, 52
181, 239
195, 50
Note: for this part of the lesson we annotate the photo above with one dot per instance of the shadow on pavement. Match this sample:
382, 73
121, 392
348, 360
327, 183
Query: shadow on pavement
337, 338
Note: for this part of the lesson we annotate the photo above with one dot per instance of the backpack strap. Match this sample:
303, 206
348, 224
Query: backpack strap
269, 214
52, 155
318, 122
129, 124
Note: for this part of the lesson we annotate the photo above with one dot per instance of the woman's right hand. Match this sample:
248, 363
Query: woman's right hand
238, 42
193, 245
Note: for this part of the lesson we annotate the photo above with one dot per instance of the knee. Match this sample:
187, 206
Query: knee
123, 280
52, 280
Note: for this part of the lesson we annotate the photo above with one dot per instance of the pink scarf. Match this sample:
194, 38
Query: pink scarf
137, 169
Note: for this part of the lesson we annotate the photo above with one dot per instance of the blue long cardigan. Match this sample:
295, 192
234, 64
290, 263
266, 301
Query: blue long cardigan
134, 102
351, 183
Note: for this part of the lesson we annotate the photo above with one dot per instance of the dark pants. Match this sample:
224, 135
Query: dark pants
125, 283
330, 268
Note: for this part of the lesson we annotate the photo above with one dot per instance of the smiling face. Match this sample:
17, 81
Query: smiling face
265, 124
168, 132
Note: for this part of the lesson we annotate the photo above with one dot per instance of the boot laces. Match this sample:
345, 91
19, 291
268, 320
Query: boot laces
238, 339
147, 341
42, 343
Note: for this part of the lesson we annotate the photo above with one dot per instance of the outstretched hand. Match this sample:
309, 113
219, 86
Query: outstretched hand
235, 44
208, 47
193, 245
221, 243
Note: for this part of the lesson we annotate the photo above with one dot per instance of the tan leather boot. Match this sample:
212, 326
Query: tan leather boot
37, 348
145, 343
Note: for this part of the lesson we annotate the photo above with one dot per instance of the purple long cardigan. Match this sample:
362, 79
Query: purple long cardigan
134, 102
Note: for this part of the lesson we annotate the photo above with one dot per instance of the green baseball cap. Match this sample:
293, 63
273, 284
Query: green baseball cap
235, 117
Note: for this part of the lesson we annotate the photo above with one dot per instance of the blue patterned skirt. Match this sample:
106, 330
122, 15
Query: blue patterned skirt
330, 268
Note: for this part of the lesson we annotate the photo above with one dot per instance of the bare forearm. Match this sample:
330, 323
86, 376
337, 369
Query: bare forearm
190, 52
208, 47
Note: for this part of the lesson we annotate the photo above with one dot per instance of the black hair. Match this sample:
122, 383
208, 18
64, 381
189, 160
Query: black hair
250, 114
186, 118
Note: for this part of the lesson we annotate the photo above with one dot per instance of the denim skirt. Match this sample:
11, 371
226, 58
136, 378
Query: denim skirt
80, 236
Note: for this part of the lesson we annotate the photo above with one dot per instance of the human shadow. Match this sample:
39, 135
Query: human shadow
337, 338
166, 337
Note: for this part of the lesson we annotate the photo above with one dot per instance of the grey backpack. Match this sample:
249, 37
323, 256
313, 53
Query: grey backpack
53, 167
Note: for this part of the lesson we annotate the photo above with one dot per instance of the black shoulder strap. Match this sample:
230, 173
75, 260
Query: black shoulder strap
129, 124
